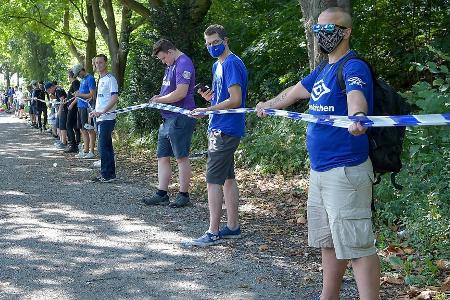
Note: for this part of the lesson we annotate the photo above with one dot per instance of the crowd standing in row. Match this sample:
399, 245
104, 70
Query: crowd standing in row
340, 192
80, 112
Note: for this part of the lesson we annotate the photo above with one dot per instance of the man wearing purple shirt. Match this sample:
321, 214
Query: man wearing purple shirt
175, 133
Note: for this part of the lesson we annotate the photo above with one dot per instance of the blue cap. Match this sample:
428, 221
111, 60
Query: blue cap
48, 85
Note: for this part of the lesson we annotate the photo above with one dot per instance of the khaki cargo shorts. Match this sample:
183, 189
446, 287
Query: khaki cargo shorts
339, 214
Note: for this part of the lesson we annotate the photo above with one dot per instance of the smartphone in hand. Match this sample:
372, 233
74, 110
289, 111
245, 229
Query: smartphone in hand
203, 88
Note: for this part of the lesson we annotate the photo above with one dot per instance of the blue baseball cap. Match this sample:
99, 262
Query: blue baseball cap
48, 85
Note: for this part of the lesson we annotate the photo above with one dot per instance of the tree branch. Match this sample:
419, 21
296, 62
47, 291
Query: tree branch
111, 21
138, 22
99, 22
80, 12
137, 7
155, 3
73, 49
46, 26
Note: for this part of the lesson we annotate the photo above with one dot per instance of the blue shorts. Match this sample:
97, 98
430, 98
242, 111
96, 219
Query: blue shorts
174, 137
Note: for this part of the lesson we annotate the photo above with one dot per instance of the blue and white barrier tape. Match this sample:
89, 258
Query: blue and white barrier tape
336, 121
85, 101
46, 102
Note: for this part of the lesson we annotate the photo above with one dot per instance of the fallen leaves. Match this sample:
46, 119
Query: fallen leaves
442, 264
446, 285
301, 220
392, 279
263, 248
392, 250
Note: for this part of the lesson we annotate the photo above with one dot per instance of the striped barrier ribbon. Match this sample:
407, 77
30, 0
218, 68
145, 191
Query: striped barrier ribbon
331, 120
85, 101
46, 102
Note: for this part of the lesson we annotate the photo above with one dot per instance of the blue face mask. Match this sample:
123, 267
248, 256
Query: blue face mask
216, 50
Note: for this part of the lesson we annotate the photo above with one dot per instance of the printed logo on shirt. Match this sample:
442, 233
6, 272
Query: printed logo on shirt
166, 83
356, 81
187, 75
325, 108
319, 89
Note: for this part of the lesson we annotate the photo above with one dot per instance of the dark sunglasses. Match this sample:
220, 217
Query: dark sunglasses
328, 28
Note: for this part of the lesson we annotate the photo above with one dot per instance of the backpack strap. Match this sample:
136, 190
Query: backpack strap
322, 65
340, 75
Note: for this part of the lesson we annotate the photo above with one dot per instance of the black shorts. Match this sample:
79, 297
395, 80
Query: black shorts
72, 118
63, 120
220, 163
83, 117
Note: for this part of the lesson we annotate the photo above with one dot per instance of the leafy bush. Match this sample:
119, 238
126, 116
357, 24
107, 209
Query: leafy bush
422, 208
274, 145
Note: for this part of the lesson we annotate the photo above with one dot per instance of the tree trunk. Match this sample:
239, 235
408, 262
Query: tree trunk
8, 78
311, 10
124, 45
91, 45
70, 44
118, 48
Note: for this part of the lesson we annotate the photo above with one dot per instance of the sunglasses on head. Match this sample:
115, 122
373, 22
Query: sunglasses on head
329, 28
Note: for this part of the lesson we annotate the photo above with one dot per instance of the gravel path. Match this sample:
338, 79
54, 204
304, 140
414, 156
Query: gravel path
63, 237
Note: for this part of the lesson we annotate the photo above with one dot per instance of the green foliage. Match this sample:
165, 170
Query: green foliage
391, 34
275, 145
422, 208
39, 57
269, 38
144, 77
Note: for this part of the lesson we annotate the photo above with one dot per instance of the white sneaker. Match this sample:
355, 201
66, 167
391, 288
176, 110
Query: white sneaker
97, 164
88, 155
80, 154
88, 127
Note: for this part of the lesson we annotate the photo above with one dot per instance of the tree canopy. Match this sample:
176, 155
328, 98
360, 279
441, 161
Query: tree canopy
407, 43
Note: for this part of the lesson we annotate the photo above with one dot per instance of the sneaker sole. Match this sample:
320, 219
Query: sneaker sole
203, 245
236, 236
164, 203
109, 180
175, 205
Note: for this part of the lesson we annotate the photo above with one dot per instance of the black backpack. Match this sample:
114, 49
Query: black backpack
385, 143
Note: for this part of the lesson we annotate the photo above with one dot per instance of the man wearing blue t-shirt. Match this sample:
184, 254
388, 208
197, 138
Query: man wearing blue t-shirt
229, 90
340, 192
83, 96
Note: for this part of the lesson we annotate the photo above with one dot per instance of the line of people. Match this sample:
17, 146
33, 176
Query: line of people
341, 179
340, 192
77, 116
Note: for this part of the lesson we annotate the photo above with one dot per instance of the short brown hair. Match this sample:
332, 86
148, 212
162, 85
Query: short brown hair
102, 56
216, 28
164, 46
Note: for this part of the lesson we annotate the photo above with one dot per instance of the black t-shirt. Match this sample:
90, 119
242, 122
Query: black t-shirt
40, 94
74, 86
60, 93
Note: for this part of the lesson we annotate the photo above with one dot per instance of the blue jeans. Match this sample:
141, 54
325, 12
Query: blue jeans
105, 147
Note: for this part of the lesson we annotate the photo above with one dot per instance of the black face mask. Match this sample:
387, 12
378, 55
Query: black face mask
329, 41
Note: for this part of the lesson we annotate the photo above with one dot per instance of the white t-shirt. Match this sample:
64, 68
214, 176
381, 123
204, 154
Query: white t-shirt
19, 96
107, 87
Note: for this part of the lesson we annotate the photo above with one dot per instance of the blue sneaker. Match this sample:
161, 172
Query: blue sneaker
208, 239
227, 233
316, 298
